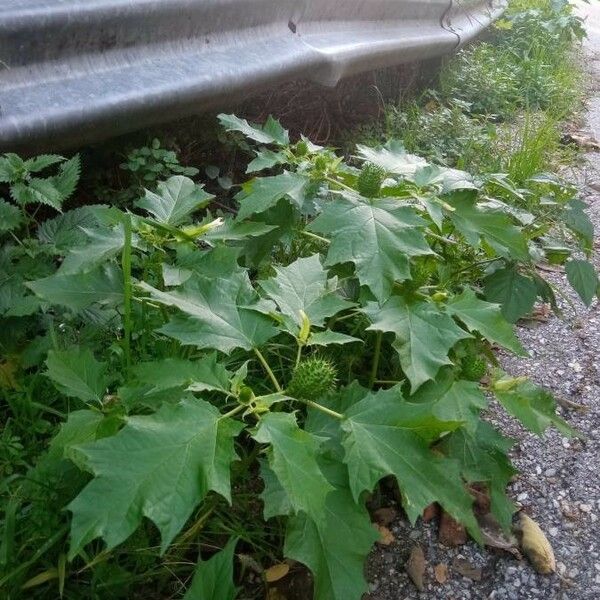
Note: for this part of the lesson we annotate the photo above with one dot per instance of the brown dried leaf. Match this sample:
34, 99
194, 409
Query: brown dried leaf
536, 546
415, 567
386, 537
384, 516
277, 572
431, 512
451, 533
466, 569
441, 572
495, 537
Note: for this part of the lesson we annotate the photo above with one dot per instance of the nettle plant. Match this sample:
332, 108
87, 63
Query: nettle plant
334, 333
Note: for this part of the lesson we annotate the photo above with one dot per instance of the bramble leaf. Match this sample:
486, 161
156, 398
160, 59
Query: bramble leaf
160, 467
378, 237
175, 200
77, 373
292, 457
424, 335
10, 216
385, 436
392, 157
486, 318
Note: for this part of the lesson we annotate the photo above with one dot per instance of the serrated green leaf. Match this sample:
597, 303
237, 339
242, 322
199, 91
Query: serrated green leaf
485, 318
514, 292
584, 279
388, 436
77, 373
377, 237
269, 133
494, 227
392, 157
66, 230
293, 457
103, 285
262, 193
266, 159
205, 374
482, 453
43, 161
160, 467
385, 437
213, 578
328, 338
216, 313
577, 220
68, 177
232, 231
100, 246
174, 200
276, 502
10, 216
452, 400
424, 335
304, 286
533, 406
334, 549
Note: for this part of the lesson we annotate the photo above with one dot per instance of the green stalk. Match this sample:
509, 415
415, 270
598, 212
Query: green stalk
267, 368
376, 357
298, 355
324, 409
314, 236
127, 291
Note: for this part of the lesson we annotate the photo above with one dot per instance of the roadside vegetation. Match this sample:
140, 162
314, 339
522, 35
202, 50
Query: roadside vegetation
193, 394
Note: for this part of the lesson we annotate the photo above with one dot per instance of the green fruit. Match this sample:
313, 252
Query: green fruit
473, 368
369, 181
321, 163
301, 148
313, 378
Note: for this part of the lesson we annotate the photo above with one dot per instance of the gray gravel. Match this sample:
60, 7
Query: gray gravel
559, 484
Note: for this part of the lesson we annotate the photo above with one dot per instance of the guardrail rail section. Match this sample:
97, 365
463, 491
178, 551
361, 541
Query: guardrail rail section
76, 71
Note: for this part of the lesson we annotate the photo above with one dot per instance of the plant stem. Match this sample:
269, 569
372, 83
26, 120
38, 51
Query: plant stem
441, 238
324, 409
298, 355
127, 291
376, 357
267, 368
233, 412
314, 236
341, 184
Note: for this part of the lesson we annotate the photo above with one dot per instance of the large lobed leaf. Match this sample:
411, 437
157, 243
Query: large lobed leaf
160, 467
378, 238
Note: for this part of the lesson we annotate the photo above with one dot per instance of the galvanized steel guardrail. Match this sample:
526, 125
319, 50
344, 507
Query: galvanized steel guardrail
76, 71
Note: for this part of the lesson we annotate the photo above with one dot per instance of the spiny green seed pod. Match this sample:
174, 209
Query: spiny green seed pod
301, 148
473, 368
312, 379
369, 181
321, 163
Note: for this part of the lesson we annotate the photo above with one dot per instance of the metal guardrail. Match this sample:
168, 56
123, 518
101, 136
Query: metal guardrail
76, 71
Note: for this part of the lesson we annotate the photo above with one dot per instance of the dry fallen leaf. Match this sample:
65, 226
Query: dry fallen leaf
452, 533
466, 569
384, 516
415, 567
441, 573
494, 537
277, 572
536, 546
386, 537
431, 512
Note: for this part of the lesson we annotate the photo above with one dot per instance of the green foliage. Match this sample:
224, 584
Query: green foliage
210, 388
